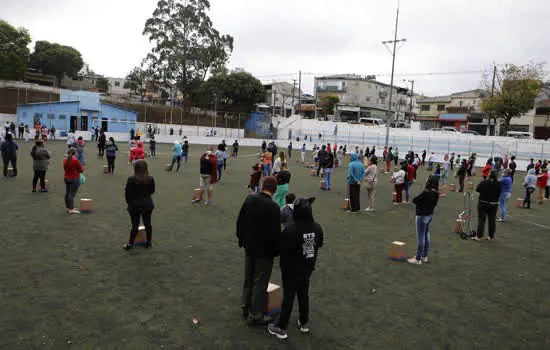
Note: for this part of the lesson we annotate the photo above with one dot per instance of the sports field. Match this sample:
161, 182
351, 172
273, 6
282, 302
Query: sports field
65, 281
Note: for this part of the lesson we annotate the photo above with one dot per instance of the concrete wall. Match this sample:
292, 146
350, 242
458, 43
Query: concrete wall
56, 114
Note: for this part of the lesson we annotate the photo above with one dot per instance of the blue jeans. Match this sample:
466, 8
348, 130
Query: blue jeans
328, 178
408, 185
185, 155
80, 157
267, 169
219, 166
502, 201
423, 234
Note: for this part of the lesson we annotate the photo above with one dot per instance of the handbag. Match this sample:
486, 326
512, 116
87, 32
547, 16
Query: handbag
82, 179
369, 185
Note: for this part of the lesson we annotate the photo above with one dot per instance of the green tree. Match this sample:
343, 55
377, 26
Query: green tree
102, 84
515, 92
14, 53
236, 91
327, 104
186, 46
56, 59
138, 81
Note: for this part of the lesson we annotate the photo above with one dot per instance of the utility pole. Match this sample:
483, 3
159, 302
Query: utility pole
394, 43
293, 88
300, 93
273, 102
489, 117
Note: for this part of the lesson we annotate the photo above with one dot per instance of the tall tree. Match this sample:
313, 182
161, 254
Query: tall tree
138, 81
327, 104
56, 59
14, 53
515, 91
102, 84
186, 45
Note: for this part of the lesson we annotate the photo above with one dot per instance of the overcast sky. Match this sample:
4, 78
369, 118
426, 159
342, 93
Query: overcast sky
275, 39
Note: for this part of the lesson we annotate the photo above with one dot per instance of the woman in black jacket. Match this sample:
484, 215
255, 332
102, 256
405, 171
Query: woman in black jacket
138, 192
461, 173
489, 194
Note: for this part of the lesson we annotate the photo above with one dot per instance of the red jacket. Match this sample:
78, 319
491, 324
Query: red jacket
542, 180
137, 153
72, 169
213, 160
410, 173
486, 170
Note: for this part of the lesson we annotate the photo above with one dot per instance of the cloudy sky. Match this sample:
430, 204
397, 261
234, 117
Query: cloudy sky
275, 39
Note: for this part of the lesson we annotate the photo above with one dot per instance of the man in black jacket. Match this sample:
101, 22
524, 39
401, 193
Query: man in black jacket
323, 154
259, 232
299, 245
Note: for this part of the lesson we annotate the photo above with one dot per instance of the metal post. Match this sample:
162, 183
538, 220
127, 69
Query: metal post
470, 146
429, 143
239, 127
542, 151
449, 145
492, 148
363, 139
349, 136
225, 117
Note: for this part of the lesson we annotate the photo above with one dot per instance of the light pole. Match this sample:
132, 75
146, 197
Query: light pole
394, 43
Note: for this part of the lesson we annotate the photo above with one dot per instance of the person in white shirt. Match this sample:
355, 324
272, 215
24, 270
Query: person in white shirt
278, 162
398, 179
431, 161
340, 155
71, 139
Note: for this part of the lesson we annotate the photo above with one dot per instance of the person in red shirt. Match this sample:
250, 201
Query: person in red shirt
72, 169
542, 181
487, 169
409, 179
208, 176
137, 153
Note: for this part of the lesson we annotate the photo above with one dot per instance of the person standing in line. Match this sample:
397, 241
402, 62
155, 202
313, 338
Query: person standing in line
259, 233
277, 163
71, 139
431, 161
542, 181
176, 157
52, 133
505, 194
264, 146
340, 156
235, 149
356, 174
283, 179
423, 157
287, 212
219, 162
452, 161
255, 176
101, 144
137, 153
461, 174
371, 180
322, 155
40, 162
9, 154
303, 153
409, 180
185, 150
138, 194
44, 131
153, 146
289, 151
72, 170
396, 156
268, 163
531, 164
425, 203
530, 185
208, 176
224, 155
444, 175
21, 130
95, 135
487, 168
398, 179
79, 146
132, 134
300, 243
388, 157
489, 194
328, 169
111, 149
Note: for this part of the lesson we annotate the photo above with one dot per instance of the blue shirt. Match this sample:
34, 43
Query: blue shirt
506, 184
177, 150
356, 170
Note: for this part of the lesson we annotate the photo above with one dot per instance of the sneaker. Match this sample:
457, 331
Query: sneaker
277, 331
414, 261
74, 211
500, 220
303, 327
207, 203
44, 190
424, 260
33, 191
196, 200
127, 246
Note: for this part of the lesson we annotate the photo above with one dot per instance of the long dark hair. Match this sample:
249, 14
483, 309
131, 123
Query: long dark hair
70, 154
493, 176
141, 171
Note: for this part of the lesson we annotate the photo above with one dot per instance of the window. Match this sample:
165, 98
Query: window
343, 84
440, 108
424, 108
62, 117
117, 83
368, 99
460, 103
51, 116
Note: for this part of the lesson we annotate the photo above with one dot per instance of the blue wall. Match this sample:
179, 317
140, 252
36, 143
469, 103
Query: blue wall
56, 114
88, 100
120, 120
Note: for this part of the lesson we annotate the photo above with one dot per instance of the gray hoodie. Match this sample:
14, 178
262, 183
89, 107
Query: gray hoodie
40, 158
530, 179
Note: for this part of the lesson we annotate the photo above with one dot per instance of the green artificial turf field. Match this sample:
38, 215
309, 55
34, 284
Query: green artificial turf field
66, 282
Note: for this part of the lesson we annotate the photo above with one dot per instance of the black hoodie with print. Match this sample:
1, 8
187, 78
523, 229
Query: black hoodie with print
301, 240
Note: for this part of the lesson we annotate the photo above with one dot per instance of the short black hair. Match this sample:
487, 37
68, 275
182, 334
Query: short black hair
290, 198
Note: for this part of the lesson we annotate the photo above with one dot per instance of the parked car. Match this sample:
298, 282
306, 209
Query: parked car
470, 132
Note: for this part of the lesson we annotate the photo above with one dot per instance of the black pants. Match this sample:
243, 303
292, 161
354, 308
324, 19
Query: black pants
21, 133
319, 168
235, 152
354, 203
7, 161
294, 285
39, 174
527, 200
289, 153
484, 211
71, 187
547, 192
111, 164
461, 182
101, 152
224, 163
257, 272
153, 152
135, 217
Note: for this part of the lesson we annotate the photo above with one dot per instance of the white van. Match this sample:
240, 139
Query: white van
520, 134
372, 121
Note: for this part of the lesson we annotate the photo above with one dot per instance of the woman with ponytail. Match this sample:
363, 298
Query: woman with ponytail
73, 169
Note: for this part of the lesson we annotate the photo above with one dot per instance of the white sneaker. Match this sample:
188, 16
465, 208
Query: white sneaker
414, 261
303, 327
424, 260
369, 209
